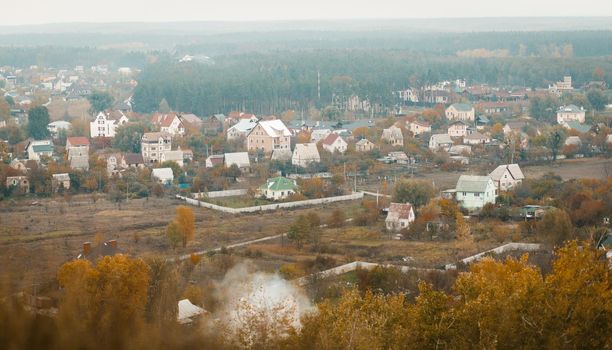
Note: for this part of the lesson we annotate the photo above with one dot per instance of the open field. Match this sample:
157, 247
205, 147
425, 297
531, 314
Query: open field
596, 168
36, 239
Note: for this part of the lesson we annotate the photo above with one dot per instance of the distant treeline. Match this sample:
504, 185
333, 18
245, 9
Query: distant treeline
69, 57
273, 82
535, 43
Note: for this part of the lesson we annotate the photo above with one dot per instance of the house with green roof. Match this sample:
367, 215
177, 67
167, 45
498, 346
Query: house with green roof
38, 149
278, 188
460, 111
581, 128
473, 192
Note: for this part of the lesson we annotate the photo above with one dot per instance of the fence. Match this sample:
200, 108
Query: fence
220, 194
525, 247
268, 207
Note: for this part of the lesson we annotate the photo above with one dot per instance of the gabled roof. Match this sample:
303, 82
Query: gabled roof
133, 158
279, 184
330, 139
78, 141
363, 142
463, 107
472, 183
399, 211
441, 138
191, 118
42, 148
392, 132
577, 126
281, 154
154, 136
162, 173
241, 159
306, 151
457, 123
61, 177
513, 169
163, 120
475, 136
243, 126
570, 109
275, 128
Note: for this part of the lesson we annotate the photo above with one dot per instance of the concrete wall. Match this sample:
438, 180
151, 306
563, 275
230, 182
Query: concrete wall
220, 194
524, 247
275, 206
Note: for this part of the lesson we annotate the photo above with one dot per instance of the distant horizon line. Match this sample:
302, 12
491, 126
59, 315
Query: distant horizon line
340, 19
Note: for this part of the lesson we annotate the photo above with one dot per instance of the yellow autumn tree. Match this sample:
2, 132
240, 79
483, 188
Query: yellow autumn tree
185, 222
107, 301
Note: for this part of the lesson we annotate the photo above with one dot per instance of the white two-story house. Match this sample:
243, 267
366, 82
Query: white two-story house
105, 124
473, 192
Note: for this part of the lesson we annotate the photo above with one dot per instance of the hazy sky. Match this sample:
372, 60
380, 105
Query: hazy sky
54, 11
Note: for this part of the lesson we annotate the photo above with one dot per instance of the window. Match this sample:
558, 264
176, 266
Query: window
464, 194
476, 194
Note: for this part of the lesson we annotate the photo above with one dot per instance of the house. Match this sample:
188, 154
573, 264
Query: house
574, 125
514, 126
399, 217
133, 160
108, 248
570, 113
473, 192
57, 126
334, 143
319, 134
171, 123
113, 162
534, 211
282, 155
573, 141
162, 175
18, 164
482, 122
60, 181
419, 127
38, 149
214, 160
106, 123
211, 125
560, 87
507, 176
173, 156
457, 129
77, 148
460, 111
187, 312
364, 145
440, 141
393, 136
241, 159
493, 108
240, 129
278, 188
399, 157
459, 150
20, 182
436, 96
304, 154
269, 135
154, 144
476, 138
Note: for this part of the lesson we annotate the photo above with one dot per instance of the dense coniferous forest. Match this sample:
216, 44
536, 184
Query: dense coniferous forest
273, 82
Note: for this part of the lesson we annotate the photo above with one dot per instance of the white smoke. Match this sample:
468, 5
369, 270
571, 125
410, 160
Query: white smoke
261, 305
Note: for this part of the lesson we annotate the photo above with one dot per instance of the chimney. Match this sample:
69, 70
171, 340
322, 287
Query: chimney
113, 243
86, 248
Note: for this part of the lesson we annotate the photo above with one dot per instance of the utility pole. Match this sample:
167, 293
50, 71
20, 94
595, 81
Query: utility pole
319, 85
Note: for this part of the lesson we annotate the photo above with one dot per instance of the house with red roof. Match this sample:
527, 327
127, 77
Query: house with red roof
334, 143
399, 217
77, 148
171, 123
